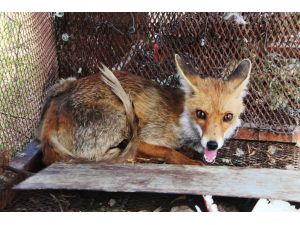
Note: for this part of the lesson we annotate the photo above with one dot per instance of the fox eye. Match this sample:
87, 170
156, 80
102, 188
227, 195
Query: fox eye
228, 117
200, 114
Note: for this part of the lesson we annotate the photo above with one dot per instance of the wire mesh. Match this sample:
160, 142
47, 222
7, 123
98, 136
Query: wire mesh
259, 155
213, 43
28, 66
36, 49
144, 44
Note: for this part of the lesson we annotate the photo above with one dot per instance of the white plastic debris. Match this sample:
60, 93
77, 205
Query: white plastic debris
272, 149
290, 167
265, 205
112, 202
239, 152
202, 42
181, 208
210, 205
159, 209
236, 17
197, 208
225, 160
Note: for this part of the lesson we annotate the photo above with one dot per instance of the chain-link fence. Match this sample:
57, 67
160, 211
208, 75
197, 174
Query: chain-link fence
36, 47
28, 66
213, 43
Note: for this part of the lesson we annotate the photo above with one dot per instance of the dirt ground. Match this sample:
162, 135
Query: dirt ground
91, 201
235, 153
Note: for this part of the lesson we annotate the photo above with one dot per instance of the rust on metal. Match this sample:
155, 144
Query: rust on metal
260, 135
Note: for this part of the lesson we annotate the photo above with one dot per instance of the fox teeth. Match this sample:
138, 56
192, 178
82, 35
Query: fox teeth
209, 161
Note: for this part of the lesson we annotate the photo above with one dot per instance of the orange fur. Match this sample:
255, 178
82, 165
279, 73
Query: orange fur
50, 125
86, 120
167, 154
216, 99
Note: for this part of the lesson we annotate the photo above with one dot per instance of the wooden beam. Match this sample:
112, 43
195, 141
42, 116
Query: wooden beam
254, 134
29, 159
163, 178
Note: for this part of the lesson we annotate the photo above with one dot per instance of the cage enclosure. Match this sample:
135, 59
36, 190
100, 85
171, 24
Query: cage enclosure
39, 48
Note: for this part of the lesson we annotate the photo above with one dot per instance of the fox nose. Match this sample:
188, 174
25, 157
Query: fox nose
212, 145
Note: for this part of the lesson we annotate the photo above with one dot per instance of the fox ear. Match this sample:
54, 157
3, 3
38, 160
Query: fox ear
184, 72
239, 78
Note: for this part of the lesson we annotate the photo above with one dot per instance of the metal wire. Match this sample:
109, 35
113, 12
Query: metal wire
213, 43
210, 43
28, 66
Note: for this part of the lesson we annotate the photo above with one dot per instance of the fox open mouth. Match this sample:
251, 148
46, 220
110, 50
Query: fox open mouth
210, 156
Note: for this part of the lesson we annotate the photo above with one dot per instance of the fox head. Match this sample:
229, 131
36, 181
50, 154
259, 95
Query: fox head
212, 107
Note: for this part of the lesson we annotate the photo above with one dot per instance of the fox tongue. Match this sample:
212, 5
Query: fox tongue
210, 156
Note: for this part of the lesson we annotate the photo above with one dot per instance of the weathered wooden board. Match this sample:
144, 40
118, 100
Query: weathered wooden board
29, 159
162, 178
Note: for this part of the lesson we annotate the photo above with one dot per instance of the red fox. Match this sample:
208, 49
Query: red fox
94, 118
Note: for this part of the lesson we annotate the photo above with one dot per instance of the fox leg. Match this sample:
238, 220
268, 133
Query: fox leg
169, 155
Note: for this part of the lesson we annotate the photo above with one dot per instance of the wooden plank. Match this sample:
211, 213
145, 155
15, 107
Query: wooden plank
263, 135
162, 178
29, 159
